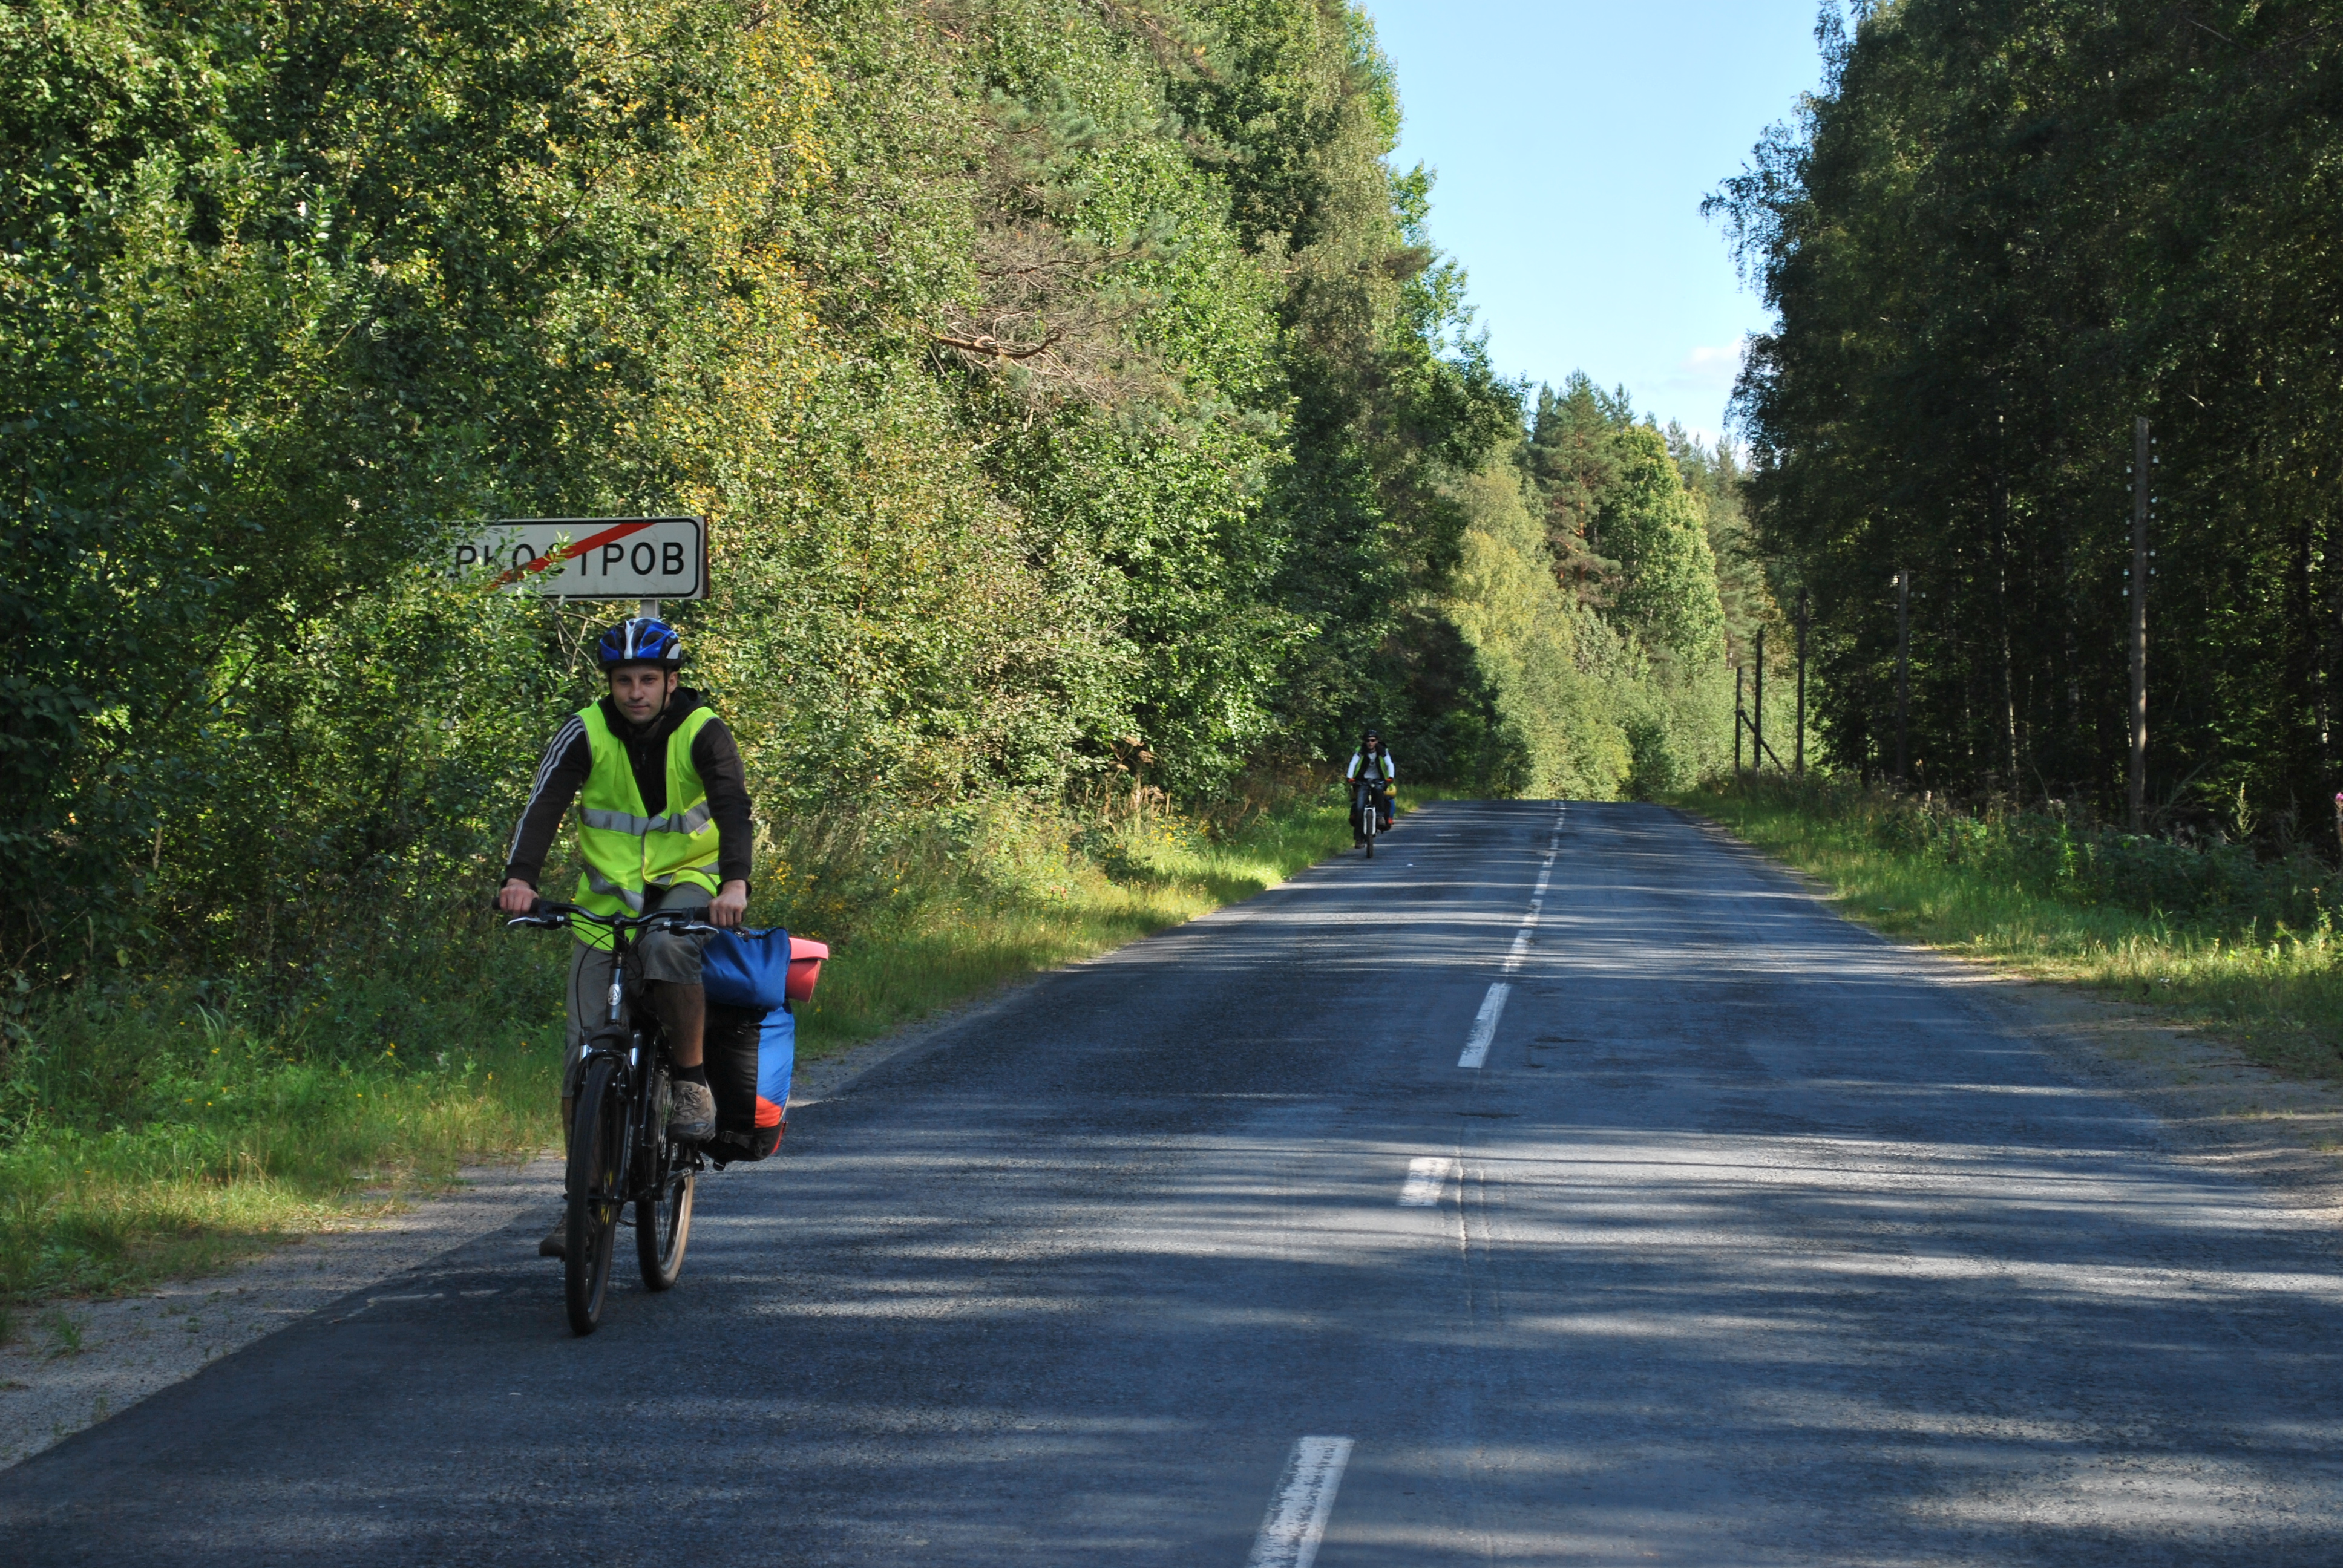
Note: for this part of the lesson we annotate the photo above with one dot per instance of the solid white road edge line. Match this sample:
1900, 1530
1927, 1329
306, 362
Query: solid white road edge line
1485, 1025
1296, 1521
1427, 1177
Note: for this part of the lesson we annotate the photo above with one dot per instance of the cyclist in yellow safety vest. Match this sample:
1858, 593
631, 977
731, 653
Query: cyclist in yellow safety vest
663, 824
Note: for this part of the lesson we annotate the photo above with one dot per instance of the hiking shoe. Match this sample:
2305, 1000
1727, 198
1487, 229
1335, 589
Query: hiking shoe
556, 1241
693, 1119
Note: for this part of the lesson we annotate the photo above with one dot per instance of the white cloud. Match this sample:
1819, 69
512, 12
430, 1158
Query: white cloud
1709, 369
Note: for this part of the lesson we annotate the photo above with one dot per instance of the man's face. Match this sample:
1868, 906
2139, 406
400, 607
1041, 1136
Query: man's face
640, 690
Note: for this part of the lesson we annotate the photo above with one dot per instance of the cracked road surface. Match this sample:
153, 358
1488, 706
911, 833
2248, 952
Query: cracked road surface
1750, 1241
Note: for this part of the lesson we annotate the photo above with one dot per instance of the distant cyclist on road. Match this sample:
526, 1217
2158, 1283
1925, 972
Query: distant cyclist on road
663, 824
1372, 763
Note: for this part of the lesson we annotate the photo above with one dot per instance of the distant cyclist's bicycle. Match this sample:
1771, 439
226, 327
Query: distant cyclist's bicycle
619, 1152
1368, 799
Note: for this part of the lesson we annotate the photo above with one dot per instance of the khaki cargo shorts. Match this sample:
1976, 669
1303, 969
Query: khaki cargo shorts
660, 956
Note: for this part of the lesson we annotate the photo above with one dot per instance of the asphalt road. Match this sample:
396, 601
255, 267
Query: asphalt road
1750, 1241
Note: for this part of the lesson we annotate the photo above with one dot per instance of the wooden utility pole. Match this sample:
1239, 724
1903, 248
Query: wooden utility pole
1757, 726
1903, 674
1798, 739
2142, 459
1740, 718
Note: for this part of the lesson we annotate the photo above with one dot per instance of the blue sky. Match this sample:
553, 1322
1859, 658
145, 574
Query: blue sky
1573, 142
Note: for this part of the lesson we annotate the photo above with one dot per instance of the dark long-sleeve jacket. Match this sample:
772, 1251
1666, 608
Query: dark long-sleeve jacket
570, 758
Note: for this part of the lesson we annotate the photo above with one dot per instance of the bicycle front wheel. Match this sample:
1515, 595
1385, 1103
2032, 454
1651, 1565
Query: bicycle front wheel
598, 1154
663, 1207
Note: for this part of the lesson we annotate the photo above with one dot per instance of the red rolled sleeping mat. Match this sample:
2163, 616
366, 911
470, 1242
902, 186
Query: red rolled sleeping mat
805, 966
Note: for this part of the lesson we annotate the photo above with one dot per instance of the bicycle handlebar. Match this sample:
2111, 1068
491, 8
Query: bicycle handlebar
550, 914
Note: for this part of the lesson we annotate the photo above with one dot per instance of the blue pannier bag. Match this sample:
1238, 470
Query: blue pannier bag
777, 1061
751, 1054
746, 969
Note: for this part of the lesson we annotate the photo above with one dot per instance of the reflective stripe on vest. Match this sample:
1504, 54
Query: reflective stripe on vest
625, 849
602, 886
691, 821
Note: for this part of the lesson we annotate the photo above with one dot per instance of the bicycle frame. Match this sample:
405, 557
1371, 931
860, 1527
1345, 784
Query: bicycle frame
618, 1152
630, 1063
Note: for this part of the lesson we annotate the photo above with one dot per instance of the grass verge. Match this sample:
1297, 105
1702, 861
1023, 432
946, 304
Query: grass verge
2213, 936
163, 1127
965, 934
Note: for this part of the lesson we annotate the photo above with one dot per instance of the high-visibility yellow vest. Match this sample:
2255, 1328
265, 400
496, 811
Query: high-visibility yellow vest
625, 849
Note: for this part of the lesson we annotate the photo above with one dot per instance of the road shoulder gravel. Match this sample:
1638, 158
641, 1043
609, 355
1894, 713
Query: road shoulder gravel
125, 1349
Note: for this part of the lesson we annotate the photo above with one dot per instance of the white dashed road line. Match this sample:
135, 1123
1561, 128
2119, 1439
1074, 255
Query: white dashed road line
1427, 1178
1296, 1521
1520, 948
1484, 1023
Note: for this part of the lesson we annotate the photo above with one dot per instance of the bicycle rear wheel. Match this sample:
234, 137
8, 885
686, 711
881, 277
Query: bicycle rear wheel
598, 1152
663, 1205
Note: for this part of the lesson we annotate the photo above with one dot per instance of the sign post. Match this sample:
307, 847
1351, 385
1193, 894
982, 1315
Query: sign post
642, 558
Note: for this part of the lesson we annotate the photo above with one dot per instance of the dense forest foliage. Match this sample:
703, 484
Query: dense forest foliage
1072, 387
1591, 595
2001, 233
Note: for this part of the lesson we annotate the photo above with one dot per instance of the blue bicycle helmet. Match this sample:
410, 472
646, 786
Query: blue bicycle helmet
639, 639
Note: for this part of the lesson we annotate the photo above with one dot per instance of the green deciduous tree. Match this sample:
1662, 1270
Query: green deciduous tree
1066, 383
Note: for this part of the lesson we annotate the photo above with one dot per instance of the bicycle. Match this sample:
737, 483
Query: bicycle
1369, 800
619, 1152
